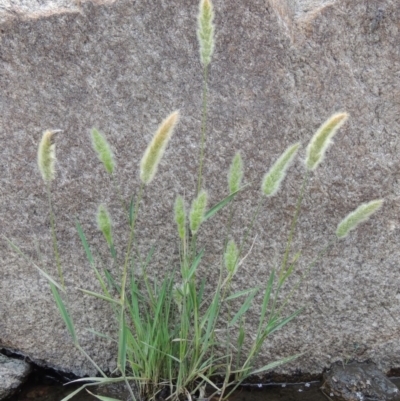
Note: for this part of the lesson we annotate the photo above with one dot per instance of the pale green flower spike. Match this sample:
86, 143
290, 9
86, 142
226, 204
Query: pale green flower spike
180, 217
197, 211
104, 223
205, 31
272, 180
231, 258
322, 139
235, 174
47, 155
103, 150
361, 214
156, 148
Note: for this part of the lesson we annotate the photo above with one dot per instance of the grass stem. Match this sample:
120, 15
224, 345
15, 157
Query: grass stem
54, 236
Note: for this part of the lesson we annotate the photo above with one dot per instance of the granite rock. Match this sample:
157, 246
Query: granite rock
358, 382
280, 68
13, 372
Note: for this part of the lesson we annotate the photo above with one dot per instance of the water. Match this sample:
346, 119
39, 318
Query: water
48, 386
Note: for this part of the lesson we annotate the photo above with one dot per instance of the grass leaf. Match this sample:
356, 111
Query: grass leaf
102, 398
221, 204
97, 295
195, 264
275, 364
244, 308
84, 243
241, 293
64, 314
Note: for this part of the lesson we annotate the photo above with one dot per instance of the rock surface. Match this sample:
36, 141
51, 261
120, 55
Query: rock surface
280, 68
359, 382
13, 372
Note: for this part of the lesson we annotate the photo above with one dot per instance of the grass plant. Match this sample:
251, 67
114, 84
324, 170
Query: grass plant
167, 337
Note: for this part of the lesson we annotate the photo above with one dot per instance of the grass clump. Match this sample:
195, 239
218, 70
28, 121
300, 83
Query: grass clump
167, 328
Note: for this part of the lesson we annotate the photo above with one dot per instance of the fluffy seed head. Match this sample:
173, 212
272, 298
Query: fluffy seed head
104, 223
197, 211
205, 31
180, 217
322, 139
231, 258
103, 150
156, 148
235, 174
47, 155
272, 180
353, 219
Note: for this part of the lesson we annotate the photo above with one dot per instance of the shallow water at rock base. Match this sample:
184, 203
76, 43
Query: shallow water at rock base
46, 386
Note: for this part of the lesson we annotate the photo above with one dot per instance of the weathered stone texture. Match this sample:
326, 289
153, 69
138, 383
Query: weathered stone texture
13, 372
277, 73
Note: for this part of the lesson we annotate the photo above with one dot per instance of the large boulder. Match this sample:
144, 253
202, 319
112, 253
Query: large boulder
280, 68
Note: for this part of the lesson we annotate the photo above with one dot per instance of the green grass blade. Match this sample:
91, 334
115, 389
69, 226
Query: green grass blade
98, 334
113, 252
200, 292
102, 398
84, 243
111, 281
122, 343
90, 257
74, 393
275, 364
162, 352
220, 205
267, 296
284, 322
149, 256
207, 380
241, 293
41, 271
212, 316
244, 308
103, 380
97, 295
64, 314
195, 264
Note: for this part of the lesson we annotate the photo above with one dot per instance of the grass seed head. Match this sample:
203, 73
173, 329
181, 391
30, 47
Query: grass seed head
361, 214
322, 139
231, 258
205, 31
156, 148
47, 155
104, 223
274, 177
103, 150
235, 174
197, 211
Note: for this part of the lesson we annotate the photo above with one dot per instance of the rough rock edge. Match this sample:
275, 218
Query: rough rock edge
11, 11
295, 19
